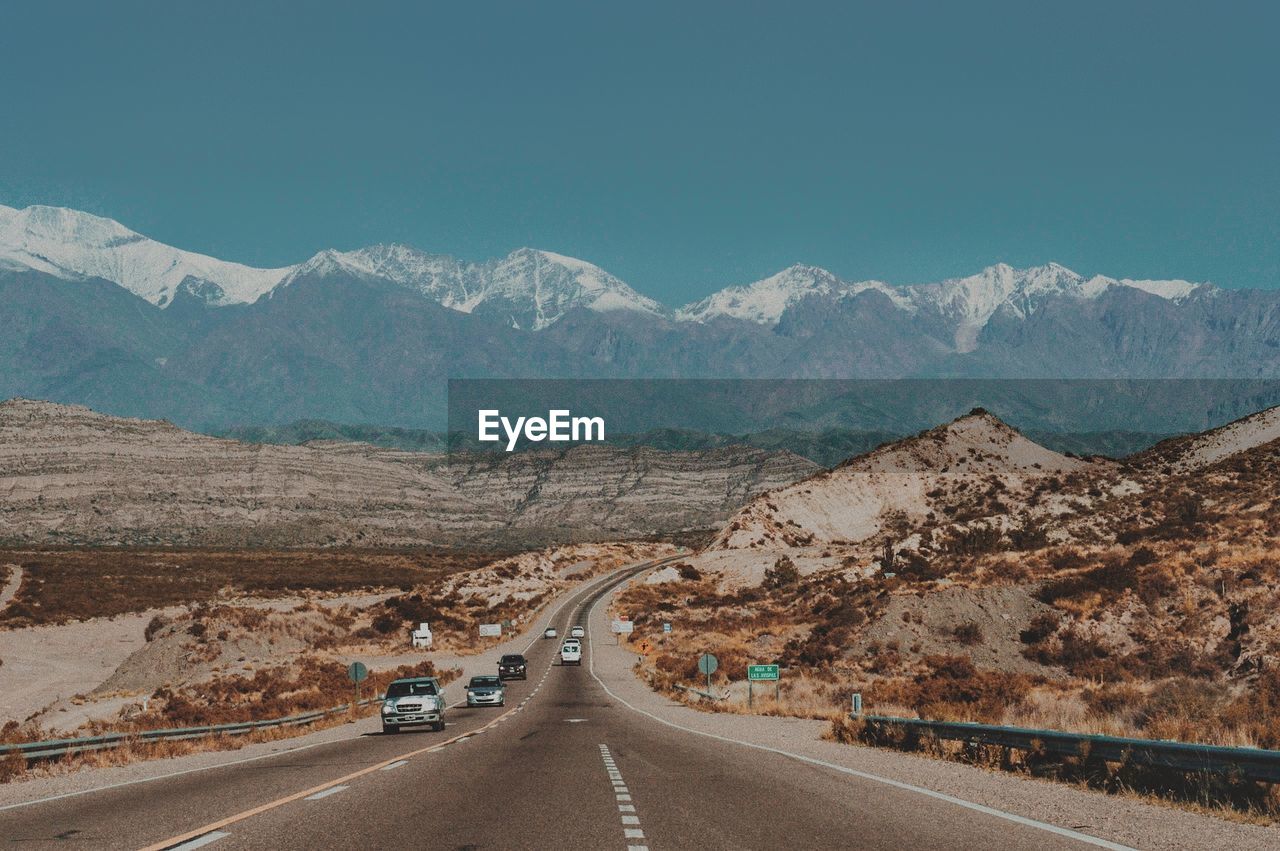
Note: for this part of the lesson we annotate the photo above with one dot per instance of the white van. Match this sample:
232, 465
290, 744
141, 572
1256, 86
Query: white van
571, 653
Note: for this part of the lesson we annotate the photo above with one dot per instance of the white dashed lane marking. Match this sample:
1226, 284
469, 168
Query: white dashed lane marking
395, 764
324, 793
626, 811
201, 841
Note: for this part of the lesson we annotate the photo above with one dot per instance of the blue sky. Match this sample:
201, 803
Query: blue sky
682, 146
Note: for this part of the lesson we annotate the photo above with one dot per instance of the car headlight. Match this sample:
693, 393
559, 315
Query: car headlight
389, 706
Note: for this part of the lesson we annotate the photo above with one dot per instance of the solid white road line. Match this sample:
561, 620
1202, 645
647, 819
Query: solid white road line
201, 841
324, 793
875, 778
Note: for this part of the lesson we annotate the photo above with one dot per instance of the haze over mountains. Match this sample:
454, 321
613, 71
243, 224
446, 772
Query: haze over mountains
99, 315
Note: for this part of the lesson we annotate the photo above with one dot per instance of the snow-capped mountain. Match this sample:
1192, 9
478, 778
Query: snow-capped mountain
528, 288
766, 300
965, 304
72, 244
373, 335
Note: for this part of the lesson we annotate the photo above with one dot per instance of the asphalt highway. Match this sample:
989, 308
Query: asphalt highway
564, 765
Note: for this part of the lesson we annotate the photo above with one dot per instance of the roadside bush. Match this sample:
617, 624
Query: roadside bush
1032, 536
968, 634
783, 574
953, 689
1039, 628
156, 624
974, 540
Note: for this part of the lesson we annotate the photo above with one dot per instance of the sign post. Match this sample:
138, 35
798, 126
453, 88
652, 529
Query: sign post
708, 664
622, 627
357, 673
764, 673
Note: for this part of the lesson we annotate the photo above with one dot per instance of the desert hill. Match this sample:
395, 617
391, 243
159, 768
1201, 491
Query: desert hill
1138, 597
71, 476
951, 469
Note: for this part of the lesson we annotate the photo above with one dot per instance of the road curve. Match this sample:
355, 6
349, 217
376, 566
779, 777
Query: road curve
565, 765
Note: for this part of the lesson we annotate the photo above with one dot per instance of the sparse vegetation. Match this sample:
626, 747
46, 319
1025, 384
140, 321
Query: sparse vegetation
783, 574
308, 684
63, 585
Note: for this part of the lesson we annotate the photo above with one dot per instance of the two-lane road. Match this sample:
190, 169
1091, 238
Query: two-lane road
565, 766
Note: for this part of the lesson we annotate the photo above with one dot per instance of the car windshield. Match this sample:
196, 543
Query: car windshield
485, 682
407, 689
512, 660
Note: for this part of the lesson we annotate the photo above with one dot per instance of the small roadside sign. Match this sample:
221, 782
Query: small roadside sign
765, 673
357, 673
708, 664
622, 626
490, 630
666, 627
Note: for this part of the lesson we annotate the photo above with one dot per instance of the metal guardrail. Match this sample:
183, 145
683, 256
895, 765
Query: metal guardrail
54, 748
1246, 763
700, 693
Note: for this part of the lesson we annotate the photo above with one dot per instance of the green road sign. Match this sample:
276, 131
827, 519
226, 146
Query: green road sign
356, 672
762, 672
708, 664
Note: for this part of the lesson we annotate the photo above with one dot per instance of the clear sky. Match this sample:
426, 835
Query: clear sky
682, 146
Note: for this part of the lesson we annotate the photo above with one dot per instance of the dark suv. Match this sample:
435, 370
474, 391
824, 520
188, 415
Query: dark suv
513, 666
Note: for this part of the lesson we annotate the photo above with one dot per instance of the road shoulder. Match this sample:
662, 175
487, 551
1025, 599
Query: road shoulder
1122, 820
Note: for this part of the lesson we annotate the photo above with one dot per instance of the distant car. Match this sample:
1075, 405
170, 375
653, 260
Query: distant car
513, 666
577, 632
550, 632
413, 702
486, 691
571, 653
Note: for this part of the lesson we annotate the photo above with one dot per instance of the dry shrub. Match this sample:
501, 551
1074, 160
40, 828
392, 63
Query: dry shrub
156, 624
783, 574
968, 634
64, 585
1040, 627
1256, 712
953, 689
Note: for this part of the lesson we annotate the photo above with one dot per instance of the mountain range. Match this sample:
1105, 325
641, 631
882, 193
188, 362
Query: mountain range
101, 315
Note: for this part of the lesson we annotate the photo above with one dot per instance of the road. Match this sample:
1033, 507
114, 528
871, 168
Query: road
565, 765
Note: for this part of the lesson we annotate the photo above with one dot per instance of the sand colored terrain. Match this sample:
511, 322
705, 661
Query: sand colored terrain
70, 476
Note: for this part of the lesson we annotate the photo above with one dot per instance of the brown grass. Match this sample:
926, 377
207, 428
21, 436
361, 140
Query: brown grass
65, 585
309, 685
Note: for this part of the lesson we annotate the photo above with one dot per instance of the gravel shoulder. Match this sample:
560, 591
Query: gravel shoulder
1119, 819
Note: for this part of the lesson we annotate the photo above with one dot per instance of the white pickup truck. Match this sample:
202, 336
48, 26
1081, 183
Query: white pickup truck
413, 702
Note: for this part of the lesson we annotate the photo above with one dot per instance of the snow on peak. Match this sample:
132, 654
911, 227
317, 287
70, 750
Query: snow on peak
765, 301
548, 285
529, 288
966, 304
72, 244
